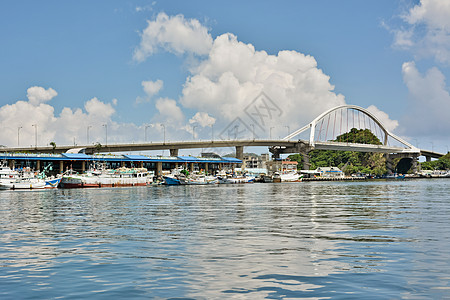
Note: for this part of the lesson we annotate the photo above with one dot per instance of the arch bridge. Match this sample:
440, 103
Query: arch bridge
344, 128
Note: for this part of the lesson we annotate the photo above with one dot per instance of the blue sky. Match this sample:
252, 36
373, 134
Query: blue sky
368, 53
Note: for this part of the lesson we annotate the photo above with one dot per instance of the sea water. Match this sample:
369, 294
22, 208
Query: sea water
318, 240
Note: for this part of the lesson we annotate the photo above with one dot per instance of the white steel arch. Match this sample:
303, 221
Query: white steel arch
311, 126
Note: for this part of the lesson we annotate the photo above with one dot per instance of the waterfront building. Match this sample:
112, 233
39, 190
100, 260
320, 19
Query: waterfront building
281, 166
80, 162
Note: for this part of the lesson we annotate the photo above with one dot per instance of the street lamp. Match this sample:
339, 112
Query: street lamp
87, 134
106, 133
288, 129
146, 126
212, 132
35, 134
270, 132
164, 130
193, 131
18, 132
253, 130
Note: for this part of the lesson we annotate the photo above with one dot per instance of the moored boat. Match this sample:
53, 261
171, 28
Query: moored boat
235, 179
23, 184
290, 177
107, 178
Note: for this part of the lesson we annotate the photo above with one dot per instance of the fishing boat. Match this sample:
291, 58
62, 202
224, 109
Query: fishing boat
52, 183
23, 184
19, 179
201, 179
107, 178
7, 174
290, 177
236, 179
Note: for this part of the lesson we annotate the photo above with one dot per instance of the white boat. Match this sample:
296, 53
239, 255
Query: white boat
290, 177
201, 179
23, 184
107, 178
7, 174
236, 179
18, 180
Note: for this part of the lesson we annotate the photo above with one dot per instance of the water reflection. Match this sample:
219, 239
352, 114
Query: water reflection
262, 240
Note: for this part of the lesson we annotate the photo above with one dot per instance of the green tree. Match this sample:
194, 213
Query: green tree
352, 162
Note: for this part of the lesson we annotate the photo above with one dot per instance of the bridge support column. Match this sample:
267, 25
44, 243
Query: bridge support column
38, 165
428, 158
415, 164
83, 166
389, 164
12, 163
173, 152
240, 155
305, 161
158, 168
206, 168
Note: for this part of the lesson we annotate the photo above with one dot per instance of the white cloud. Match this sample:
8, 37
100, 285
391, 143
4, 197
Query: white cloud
428, 112
224, 83
174, 34
101, 111
17, 121
169, 111
383, 117
37, 94
203, 119
151, 88
426, 31
234, 73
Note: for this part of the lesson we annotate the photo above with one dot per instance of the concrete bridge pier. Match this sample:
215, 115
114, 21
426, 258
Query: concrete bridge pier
240, 155
305, 160
389, 164
415, 164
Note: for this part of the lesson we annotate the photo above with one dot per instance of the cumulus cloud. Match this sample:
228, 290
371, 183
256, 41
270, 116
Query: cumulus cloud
384, 118
428, 112
169, 111
22, 120
174, 34
234, 74
225, 84
203, 119
37, 94
151, 88
426, 30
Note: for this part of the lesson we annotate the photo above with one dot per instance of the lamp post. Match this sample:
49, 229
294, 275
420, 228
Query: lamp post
18, 133
288, 129
193, 131
212, 132
253, 130
87, 134
270, 132
146, 126
164, 131
35, 134
106, 133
